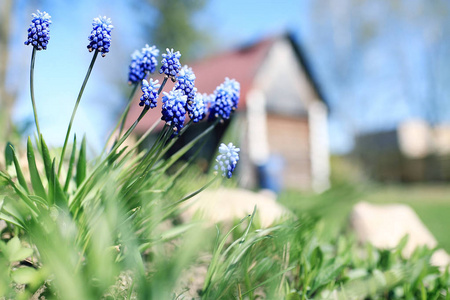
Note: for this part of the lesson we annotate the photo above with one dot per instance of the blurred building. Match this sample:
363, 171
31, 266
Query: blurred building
414, 151
281, 118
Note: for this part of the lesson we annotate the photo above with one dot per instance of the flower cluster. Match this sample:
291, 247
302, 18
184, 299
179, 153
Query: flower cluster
149, 96
226, 100
196, 108
173, 109
185, 83
234, 89
38, 33
142, 63
221, 107
149, 55
100, 38
136, 72
227, 159
170, 64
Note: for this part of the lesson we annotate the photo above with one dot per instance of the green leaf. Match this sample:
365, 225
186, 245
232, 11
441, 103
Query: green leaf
15, 251
21, 254
39, 200
9, 153
316, 257
46, 157
36, 182
13, 245
19, 173
177, 231
293, 296
58, 196
81, 166
10, 219
71, 162
24, 275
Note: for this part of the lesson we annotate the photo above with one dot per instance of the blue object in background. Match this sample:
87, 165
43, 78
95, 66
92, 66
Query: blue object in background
271, 173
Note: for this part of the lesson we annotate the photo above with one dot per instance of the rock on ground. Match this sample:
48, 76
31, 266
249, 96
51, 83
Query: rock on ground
385, 225
225, 205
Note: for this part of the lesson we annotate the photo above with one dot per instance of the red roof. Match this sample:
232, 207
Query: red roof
241, 65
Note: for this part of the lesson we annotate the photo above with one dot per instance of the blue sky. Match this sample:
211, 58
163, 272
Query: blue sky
61, 68
381, 82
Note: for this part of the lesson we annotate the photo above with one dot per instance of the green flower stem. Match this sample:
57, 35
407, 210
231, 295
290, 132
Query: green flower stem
123, 117
127, 109
33, 102
80, 94
76, 198
166, 148
125, 113
162, 85
146, 134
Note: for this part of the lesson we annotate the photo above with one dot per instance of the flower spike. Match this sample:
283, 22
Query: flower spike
142, 63
185, 83
100, 37
227, 159
196, 108
150, 93
173, 109
170, 64
38, 33
149, 55
226, 100
136, 73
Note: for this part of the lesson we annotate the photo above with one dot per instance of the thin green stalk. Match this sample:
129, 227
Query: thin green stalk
127, 109
193, 193
33, 102
125, 113
186, 147
100, 165
80, 94
123, 117
146, 134
162, 85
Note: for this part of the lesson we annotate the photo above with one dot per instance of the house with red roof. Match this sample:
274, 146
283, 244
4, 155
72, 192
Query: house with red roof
281, 119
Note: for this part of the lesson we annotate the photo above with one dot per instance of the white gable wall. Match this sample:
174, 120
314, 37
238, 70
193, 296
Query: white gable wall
287, 91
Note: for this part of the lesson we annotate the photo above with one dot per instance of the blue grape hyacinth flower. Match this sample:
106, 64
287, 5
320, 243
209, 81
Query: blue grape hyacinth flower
136, 72
208, 99
173, 109
235, 90
142, 63
196, 108
226, 100
186, 83
149, 96
170, 64
149, 55
227, 159
100, 37
38, 33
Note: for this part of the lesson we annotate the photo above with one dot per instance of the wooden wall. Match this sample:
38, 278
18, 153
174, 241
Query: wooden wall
289, 137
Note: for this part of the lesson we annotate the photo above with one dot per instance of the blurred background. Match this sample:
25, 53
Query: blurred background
341, 99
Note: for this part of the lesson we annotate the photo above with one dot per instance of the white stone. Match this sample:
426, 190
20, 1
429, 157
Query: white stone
385, 225
225, 205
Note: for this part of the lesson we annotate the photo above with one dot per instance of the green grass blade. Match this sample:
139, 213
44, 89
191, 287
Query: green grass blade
216, 256
36, 181
81, 166
19, 172
10, 219
55, 192
59, 195
9, 154
46, 158
71, 163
